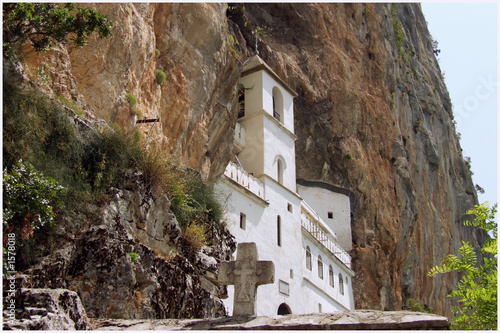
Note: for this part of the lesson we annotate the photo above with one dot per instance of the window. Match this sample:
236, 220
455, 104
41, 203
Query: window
330, 276
241, 101
278, 225
330, 215
320, 308
320, 267
243, 221
308, 258
280, 171
341, 284
284, 288
289, 208
277, 104
291, 274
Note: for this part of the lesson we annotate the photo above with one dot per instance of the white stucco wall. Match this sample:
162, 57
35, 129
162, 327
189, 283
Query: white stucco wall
324, 201
261, 228
253, 93
268, 83
279, 143
319, 290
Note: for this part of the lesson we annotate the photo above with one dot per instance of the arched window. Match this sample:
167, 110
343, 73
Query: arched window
280, 171
341, 284
330, 276
320, 267
277, 104
241, 101
308, 258
278, 227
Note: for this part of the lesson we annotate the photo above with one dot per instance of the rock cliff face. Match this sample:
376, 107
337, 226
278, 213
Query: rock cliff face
373, 116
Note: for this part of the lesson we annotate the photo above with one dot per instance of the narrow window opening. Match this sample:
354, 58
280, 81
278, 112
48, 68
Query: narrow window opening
308, 258
243, 221
241, 102
330, 215
341, 284
279, 230
330, 276
277, 104
290, 208
320, 308
291, 274
280, 171
320, 267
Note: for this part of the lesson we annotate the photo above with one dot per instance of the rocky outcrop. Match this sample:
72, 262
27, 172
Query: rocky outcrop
352, 320
189, 43
47, 309
372, 116
131, 263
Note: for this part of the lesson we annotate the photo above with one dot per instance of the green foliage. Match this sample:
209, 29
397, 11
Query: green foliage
193, 200
194, 236
87, 163
70, 104
131, 99
45, 24
477, 289
160, 76
133, 256
348, 156
157, 53
416, 306
29, 197
399, 35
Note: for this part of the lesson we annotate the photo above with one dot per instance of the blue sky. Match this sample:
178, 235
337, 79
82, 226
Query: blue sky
467, 34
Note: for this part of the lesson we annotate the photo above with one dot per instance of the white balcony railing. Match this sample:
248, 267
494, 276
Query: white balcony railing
240, 176
324, 237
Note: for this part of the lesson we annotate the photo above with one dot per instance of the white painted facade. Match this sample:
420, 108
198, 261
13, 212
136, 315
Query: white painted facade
263, 206
333, 208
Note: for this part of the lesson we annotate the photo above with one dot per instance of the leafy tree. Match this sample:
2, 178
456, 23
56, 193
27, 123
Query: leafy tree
477, 289
45, 24
29, 199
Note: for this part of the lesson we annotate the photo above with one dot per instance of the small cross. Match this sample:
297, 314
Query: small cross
257, 37
246, 273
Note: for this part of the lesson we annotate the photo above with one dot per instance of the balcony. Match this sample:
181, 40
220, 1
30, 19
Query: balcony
242, 178
324, 236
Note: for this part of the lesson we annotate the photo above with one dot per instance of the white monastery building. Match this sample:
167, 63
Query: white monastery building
307, 242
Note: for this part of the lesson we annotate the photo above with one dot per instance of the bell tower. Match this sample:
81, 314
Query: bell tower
266, 115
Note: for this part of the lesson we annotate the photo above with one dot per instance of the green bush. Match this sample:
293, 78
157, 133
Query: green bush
478, 286
71, 105
133, 256
160, 76
29, 197
131, 99
87, 163
157, 53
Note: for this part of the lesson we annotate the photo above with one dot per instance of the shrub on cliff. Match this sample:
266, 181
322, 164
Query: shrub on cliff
477, 289
45, 24
160, 76
87, 163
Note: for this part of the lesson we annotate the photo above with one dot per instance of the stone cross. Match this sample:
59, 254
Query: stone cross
246, 273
